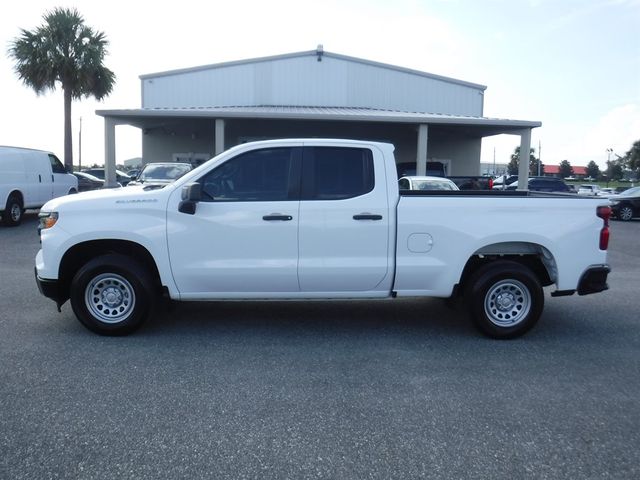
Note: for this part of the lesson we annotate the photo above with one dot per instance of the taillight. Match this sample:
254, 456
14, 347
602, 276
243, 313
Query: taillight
604, 213
490, 183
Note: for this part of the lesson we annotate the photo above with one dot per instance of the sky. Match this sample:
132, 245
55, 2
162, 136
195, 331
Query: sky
574, 65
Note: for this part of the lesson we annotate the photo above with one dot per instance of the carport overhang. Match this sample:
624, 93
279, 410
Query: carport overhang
480, 127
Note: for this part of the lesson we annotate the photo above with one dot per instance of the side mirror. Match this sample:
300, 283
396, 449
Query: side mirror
191, 194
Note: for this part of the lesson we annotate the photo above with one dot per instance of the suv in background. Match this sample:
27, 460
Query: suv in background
161, 173
544, 184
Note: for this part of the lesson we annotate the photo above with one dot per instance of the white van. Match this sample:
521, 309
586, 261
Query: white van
29, 179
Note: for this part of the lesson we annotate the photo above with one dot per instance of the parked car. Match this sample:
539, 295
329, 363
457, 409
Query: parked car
589, 189
426, 183
161, 173
121, 177
133, 173
87, 182
407, 169
472, 182
606, 192
544, 184
29, 179
503, 181
626, 205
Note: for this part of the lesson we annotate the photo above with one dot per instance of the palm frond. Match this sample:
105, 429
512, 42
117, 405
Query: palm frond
66, 51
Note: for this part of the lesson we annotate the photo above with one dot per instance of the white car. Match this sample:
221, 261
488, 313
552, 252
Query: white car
589, 189
426, 183
606, 192
29, 179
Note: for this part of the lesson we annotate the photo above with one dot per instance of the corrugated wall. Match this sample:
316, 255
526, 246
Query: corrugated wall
303, 81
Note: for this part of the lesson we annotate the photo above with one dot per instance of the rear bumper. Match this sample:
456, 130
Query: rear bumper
594, 280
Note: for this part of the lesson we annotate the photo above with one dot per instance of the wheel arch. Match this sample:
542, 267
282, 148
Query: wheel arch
534, 256
17, 193
80, 254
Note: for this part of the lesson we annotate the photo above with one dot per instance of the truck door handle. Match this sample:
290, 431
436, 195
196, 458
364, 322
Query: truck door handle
277, 216
367, 216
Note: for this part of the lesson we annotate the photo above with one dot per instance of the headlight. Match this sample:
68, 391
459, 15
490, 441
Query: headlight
47, 220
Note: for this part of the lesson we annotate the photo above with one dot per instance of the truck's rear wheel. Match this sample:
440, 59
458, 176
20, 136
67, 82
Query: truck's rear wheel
13, 211
505, 299
112, 295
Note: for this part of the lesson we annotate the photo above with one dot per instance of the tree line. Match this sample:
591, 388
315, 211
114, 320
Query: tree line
615, 170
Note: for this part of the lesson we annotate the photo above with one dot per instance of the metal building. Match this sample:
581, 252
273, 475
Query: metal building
192, 114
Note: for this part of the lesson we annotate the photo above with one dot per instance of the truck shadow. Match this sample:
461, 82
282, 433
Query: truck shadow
421, 317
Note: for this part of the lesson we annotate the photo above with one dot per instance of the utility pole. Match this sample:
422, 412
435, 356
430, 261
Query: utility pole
80, 147
494, 161
609, 152
539, 156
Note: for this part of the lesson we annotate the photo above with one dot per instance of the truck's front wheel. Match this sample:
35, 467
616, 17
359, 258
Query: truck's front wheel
505, 298
112, 295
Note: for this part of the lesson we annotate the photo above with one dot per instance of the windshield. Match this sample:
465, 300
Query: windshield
630, 192
163, 172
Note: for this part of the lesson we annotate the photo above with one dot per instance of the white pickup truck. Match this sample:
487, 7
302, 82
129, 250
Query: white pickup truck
316, 219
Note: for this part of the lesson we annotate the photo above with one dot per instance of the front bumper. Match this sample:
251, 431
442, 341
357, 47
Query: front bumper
594, 280
51, 289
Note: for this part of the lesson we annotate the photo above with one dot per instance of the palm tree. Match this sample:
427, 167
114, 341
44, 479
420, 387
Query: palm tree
63, 51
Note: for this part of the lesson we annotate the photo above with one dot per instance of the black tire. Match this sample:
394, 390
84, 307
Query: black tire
625, 213
505, 299
13, 211
112, 295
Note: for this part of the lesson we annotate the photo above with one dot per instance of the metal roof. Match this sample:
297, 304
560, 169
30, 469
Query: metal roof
311, 53
316, 113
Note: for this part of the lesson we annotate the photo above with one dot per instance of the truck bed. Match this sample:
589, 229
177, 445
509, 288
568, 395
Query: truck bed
488, 193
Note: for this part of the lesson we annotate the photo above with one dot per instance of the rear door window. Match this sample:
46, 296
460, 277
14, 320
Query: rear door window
336, 173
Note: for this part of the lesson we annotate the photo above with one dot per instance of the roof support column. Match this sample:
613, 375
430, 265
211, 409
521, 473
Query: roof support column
523, 167
110, 179
421, 156
219, 136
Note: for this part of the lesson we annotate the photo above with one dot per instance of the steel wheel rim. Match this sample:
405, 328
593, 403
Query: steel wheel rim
626, 213
110, 298
15, 212
507, 303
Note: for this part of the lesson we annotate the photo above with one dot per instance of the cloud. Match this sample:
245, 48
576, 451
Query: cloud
616, 129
